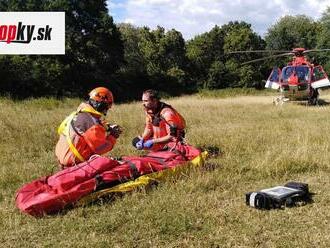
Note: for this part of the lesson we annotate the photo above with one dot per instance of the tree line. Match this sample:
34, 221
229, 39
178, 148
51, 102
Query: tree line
129, 59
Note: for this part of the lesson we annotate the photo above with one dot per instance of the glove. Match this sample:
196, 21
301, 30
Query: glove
114, 130
148, 144
139, 144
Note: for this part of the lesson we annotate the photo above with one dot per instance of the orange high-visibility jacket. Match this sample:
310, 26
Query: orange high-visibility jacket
82, 134
158, 125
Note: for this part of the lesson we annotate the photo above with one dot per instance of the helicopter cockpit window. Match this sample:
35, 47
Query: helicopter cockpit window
318, 74
287, 72
275, 74
302, 73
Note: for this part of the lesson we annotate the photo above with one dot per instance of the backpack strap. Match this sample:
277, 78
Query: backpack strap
173, 128
158, 159
133, 168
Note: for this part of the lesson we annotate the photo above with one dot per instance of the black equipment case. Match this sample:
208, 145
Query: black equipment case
277, 197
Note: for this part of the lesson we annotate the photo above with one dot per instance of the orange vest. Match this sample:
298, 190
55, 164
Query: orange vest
164, 123
74, 147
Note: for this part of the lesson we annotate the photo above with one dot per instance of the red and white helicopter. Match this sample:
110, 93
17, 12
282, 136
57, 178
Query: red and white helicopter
300, 79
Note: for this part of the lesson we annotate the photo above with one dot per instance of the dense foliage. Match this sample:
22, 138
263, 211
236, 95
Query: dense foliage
94, 52
128, 59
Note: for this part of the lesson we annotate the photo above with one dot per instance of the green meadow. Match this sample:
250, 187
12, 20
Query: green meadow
261, 145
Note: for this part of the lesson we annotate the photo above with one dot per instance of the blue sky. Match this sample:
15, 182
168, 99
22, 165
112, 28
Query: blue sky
192, 17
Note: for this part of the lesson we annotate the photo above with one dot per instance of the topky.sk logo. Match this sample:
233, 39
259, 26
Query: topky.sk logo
32, 33
23, 33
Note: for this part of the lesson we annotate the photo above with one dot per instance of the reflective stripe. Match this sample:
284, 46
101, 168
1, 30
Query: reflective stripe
65, 127
64, 130
252, 199
74, 149
90, 110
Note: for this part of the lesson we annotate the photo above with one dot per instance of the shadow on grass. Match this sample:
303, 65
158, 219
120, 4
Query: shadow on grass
299, 202
208, 166
321, 102
213, 152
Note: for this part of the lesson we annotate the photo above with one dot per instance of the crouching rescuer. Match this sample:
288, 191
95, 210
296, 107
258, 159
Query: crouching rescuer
84, 132
164, 125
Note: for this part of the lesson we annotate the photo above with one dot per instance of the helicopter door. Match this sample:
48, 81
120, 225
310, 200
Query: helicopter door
273, 81
319, 78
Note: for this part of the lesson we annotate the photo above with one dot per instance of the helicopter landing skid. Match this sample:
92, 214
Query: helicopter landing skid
280, 100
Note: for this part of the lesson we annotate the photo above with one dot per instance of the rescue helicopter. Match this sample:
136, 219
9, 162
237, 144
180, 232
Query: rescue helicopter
299, 80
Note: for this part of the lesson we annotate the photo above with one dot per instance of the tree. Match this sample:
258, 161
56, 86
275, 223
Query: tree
215, 76
240, 37
132, 75
164, 54
134, 62
94, 51
292, 31
202, 52
212, 66
323, 41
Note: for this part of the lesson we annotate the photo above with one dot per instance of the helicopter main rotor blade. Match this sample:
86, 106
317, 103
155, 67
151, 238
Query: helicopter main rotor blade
269, 57
317, 50
259, 51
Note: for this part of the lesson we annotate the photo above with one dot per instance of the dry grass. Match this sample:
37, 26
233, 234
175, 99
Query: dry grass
261, 145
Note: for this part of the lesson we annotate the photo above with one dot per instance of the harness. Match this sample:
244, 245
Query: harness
155, 120
64, 129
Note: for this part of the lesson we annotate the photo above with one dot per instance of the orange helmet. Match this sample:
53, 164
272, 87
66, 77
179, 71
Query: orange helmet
101, 99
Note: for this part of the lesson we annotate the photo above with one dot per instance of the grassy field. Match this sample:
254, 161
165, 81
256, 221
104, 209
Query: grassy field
261, 145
